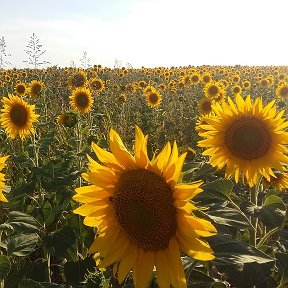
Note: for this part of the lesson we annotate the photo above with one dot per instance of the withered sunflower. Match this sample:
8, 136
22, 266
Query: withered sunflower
144, 217
81, 100
2, 178
17, 117
247, 138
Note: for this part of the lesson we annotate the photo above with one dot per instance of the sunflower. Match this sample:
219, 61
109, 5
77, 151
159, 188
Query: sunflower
247, 138
17, 117
194, 78
279, 182
153, 99
2, 178
205, 105
20, 89
77, 80
246, 84
96, 85
206, 77
68, 119
282, 90
144, 218
81, 100
213, 89
35, 88
236, 89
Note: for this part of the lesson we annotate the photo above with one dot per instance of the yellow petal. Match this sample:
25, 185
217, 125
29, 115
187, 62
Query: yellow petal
142, 270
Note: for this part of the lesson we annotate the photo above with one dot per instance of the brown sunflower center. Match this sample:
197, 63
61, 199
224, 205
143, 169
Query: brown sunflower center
248, 138
19, 115
206, 106
153, 98
20, 89
36, 89
96, 85
195, 78
213, 90
82, 100
236, 89
144, 209
206, 78
78, 80
284, 92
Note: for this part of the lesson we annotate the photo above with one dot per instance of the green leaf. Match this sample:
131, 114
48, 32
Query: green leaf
5, 266
59, 242
23, 223
220, 188
273, 211
244, 265
229, 216
75, 271
228, 251
22, 245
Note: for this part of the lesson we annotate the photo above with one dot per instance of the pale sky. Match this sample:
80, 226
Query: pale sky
148, 33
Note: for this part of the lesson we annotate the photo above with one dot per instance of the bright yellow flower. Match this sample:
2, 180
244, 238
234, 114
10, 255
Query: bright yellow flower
81, 100
247, 138
17, 117
144, 217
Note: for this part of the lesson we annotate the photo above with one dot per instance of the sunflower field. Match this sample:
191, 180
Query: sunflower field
151, 177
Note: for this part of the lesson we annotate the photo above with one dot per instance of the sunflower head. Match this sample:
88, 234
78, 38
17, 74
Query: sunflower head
68, 119
96, 85
77, 80
213, 89
2, 178
81, 100
280, 181
205, 105
144, 217
20, 89
17, 117
153, 99
35, 88
282, 90
246, 138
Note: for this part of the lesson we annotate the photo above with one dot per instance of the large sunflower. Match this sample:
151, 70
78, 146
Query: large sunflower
35, 88
247, 138
2, 178
17, 117
81, 100
144, 218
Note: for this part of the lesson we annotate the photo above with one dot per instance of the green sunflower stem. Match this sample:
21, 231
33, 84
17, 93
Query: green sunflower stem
36, 163
254, 220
